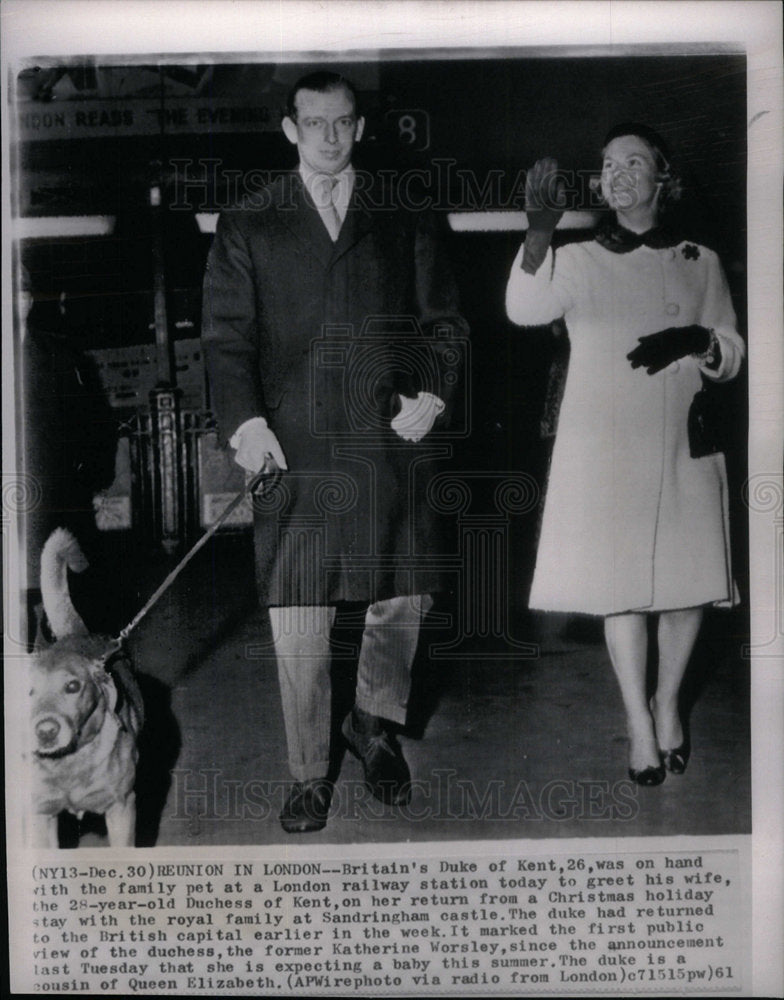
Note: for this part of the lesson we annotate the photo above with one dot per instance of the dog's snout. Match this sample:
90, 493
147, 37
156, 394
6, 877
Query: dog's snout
47, 731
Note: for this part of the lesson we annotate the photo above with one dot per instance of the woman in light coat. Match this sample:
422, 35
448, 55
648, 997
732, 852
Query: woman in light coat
633, 524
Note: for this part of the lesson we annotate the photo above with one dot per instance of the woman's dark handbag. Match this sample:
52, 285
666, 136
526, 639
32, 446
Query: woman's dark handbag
707, 418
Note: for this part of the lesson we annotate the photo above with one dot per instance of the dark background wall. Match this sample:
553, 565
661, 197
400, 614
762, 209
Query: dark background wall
476, 125
472, 126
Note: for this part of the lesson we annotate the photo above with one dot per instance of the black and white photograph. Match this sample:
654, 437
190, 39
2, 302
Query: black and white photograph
392, 503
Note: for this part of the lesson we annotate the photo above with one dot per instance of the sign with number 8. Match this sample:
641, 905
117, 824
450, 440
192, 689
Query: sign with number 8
412, 127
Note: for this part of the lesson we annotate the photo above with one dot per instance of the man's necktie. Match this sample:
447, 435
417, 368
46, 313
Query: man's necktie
328, 211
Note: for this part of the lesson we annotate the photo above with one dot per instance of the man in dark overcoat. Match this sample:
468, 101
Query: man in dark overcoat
332, 339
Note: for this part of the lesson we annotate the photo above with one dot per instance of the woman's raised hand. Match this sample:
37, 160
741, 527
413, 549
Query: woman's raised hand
545, 195
545, 201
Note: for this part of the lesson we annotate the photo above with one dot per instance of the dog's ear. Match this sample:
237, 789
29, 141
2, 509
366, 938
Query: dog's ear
101, 694
105, 682
113, 647
100, 653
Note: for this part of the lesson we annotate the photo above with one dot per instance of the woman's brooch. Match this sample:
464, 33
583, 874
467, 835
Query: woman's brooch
691, 252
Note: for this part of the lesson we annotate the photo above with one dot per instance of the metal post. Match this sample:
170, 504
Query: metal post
164, 398
165, 410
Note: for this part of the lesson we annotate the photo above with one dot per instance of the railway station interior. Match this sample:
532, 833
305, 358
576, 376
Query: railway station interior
516, 727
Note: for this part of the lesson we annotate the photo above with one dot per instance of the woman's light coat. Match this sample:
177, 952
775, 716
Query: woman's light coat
631, 521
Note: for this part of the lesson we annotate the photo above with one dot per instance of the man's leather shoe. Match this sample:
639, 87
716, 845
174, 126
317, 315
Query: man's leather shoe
386, 773
307, 806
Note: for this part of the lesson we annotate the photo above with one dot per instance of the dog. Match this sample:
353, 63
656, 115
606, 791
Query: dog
86, 713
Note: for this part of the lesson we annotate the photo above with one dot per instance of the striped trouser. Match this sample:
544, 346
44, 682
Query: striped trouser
302, 649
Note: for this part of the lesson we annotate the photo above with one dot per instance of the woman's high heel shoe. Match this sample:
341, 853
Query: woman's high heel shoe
675, 760
649, 776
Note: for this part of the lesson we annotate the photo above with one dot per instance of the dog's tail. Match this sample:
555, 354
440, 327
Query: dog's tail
61, 553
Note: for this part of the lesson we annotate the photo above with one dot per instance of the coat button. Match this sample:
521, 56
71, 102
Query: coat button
671, 254
672, 309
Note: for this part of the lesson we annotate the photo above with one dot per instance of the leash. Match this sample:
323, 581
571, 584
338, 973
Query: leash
250, 487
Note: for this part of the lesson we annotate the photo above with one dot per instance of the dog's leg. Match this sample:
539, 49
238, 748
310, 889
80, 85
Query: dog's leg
121, 823
43, 831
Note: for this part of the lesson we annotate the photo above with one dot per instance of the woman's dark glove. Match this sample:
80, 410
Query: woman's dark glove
545, 200
658, 350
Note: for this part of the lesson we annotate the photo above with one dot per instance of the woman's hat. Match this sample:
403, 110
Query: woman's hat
654, 140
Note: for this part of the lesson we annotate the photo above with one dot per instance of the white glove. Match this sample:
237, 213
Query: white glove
417, 416
256, 444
